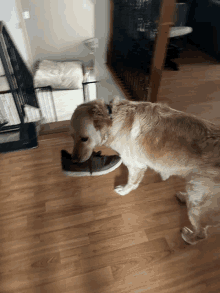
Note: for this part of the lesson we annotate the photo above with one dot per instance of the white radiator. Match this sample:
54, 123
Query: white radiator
58, 106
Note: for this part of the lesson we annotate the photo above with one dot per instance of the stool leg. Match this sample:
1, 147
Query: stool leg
172, 65
172, 53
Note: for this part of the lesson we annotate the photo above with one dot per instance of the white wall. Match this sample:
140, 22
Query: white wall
56, 28
107, 88
9, 13
102, 19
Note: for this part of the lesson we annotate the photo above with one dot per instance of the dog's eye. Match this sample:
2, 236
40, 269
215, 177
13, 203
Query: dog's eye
84, 138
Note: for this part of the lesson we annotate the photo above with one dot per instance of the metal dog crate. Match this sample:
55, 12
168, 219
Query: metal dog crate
21, 86
134, 29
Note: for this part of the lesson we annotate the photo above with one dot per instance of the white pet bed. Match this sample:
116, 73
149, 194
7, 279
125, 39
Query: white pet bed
59, 75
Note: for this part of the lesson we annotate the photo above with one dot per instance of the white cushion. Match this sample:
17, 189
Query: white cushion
59, 75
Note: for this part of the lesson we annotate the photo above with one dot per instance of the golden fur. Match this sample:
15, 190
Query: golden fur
169, 141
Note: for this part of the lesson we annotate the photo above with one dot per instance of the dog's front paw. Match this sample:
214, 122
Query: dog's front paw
192, 238
189, 236
181, 197
122, 190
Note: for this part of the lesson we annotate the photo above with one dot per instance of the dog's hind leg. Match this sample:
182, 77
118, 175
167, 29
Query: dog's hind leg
197, 201
203, 204
135, 176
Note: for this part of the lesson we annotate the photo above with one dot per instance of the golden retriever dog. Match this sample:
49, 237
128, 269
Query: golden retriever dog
166, 140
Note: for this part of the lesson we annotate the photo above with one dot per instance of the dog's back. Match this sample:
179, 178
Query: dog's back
167, 137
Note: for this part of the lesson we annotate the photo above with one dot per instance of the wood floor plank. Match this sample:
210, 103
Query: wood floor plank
43, 224
102, 247
37, 276
55, 287
37, 225
148, 250
90, 282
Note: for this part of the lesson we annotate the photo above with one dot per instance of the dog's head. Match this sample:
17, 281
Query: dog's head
88, 125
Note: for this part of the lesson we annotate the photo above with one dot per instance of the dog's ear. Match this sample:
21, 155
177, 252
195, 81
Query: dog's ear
115, 100
96, 111
100, 115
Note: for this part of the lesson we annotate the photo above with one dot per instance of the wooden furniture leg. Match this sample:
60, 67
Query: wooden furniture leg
160, 49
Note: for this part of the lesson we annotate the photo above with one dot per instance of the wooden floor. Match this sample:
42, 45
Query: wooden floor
60, 234
63, 234
195, 88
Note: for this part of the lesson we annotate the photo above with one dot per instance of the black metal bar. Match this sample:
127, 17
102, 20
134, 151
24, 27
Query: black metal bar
21, 86
88, 82
11, 81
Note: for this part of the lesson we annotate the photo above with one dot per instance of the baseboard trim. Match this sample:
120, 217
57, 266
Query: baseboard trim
54, 127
